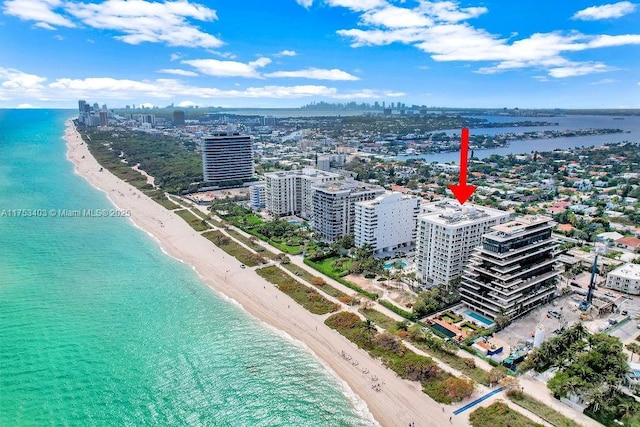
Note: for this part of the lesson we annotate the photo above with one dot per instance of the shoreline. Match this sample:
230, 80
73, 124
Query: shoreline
400, 402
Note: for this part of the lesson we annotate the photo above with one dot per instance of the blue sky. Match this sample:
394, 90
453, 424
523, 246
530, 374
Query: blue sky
286, 53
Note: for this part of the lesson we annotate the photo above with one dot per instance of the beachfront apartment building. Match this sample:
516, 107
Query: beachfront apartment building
625, 279
291, 192
446, 235
257, 193
514, 270
227, 157
334, 206
387, 223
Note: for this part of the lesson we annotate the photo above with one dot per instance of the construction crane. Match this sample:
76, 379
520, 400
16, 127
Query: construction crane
586, 303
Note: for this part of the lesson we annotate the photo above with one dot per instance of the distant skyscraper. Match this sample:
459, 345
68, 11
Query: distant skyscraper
104, 118
227, 156
81, 106
178, 118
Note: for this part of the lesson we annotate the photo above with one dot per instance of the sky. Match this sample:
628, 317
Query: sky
287, 53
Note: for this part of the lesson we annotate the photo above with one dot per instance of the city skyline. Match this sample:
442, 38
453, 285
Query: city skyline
490, 54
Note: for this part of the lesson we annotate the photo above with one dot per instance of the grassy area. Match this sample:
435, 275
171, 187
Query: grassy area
439, 385
160, 198
195, 222
380, 319
316, 281
303, 295
542, 410
242, 254
404, 313
197, 212
499, 414
179, 201
256, 247
339, 279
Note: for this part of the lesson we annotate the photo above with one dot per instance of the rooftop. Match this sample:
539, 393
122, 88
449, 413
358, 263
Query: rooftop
307, 172
450, 212
628, 271
518, 225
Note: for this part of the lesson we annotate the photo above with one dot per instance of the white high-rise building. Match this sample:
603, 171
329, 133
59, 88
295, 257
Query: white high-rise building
257, 195
227, 157
447, 233
387, 222
291, 193
334, 206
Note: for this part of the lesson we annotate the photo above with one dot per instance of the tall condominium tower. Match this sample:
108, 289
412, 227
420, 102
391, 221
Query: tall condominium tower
290, 193
387, 222
446, 236
334, 206
514, 270
226, 157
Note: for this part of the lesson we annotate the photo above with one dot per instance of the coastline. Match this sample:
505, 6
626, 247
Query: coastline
399, 402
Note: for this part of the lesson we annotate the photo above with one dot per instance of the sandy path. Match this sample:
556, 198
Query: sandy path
398, 403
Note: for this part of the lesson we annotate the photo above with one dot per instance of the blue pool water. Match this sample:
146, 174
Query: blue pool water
390, 265
478, 317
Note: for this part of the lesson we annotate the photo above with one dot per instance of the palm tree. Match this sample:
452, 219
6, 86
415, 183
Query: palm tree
369, 327
633, 348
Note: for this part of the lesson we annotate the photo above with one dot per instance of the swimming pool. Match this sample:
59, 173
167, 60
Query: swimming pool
390, 265
479, 318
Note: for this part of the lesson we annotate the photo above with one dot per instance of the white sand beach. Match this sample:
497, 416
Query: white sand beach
398, 403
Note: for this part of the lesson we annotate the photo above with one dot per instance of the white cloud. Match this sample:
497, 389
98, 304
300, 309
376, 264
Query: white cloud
41, 11
18, 81
215, 67
437, 29
606, 11
448, 11
175, 56
45, 26
17, 85
305, 3
25, 105
395, 17
178, 72
357, 5
578, 69
186, 104
287, 53
315, 73
604, 82
142, 21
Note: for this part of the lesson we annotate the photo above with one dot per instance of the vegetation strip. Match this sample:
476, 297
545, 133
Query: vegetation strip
499, 414
438, 384
195, 222
225, 243
539, 408
303, 295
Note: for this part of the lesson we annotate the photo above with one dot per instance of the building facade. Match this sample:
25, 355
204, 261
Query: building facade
227, 157
625, 279
387, 222
290, 192
514, 271
446, 235
257, 193
334, 206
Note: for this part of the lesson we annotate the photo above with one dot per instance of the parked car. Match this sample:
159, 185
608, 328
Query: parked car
242, 266
554, 313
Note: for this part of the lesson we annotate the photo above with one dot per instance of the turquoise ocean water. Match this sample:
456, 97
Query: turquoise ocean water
99, 327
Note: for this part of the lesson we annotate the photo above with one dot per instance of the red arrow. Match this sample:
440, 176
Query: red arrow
462, 191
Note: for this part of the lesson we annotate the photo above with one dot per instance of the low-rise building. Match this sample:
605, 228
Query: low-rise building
625, 279
257, 195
